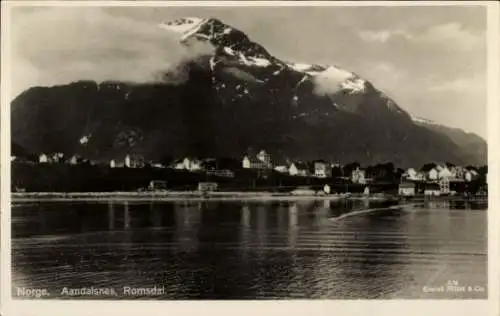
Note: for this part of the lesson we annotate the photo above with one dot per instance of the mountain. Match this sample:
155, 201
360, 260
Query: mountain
472, 144
233, 97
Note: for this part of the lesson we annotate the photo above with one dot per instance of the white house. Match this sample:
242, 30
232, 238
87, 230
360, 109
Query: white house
327, 189
366, 191
261, 161
470, 175
114, 163
433, 174
264, 157
73, 160
322, 169
358, 176
298, 169
127, 161
194, 164
445, 173
189, 164
413, 175
43, 158
410, 174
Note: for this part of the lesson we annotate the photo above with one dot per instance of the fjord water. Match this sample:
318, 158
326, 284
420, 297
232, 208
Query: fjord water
253, 249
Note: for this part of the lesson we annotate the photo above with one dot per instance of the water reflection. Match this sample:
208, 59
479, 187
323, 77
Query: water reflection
241, 250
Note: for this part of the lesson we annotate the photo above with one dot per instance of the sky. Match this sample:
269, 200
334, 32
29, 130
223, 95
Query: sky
430, 60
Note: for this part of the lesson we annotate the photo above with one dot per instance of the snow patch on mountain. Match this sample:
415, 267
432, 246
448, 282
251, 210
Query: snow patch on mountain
421, 120
354, 85
184, 26
254, 61
299, 67
333, 73
261, 62
229, 51
333, 79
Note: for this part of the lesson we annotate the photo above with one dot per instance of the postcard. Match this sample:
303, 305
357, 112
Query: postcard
250, 157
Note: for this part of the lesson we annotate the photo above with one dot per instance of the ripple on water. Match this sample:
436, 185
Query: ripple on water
221, 250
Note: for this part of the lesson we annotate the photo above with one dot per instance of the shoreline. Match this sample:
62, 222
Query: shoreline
178, 196
218, 196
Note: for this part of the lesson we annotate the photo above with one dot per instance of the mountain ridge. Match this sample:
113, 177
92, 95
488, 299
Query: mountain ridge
237, 96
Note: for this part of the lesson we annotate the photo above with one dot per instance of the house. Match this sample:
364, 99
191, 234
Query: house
444, 186
221, 173
116, 163
264, 157
406, 189
300, 169
322, 169
129, 161
458, 172
470, 174
366, 191
209, 164
134, 161
189, 164
43, 158
413, 175
250, 162
157, 185
432, 189
327, 189
282, 169
358, 176
445, 173
261, 161
74, 160
410, 174
433, 174
207, 186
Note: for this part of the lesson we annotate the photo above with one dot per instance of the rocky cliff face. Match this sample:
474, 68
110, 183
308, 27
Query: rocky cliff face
236, 96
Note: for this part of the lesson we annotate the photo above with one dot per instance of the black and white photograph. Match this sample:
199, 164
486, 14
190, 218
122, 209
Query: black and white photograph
230, 152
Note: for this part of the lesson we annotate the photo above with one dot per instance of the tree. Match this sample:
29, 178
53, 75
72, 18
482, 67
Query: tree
347, 170
336, 172
428, 166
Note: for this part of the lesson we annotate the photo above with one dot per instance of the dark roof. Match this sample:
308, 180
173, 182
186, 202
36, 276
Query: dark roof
301, 165
407, 185
321, 161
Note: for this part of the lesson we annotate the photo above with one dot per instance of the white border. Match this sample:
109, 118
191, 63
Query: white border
321, 307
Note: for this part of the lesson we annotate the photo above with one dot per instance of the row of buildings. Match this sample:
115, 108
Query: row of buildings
432, 180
